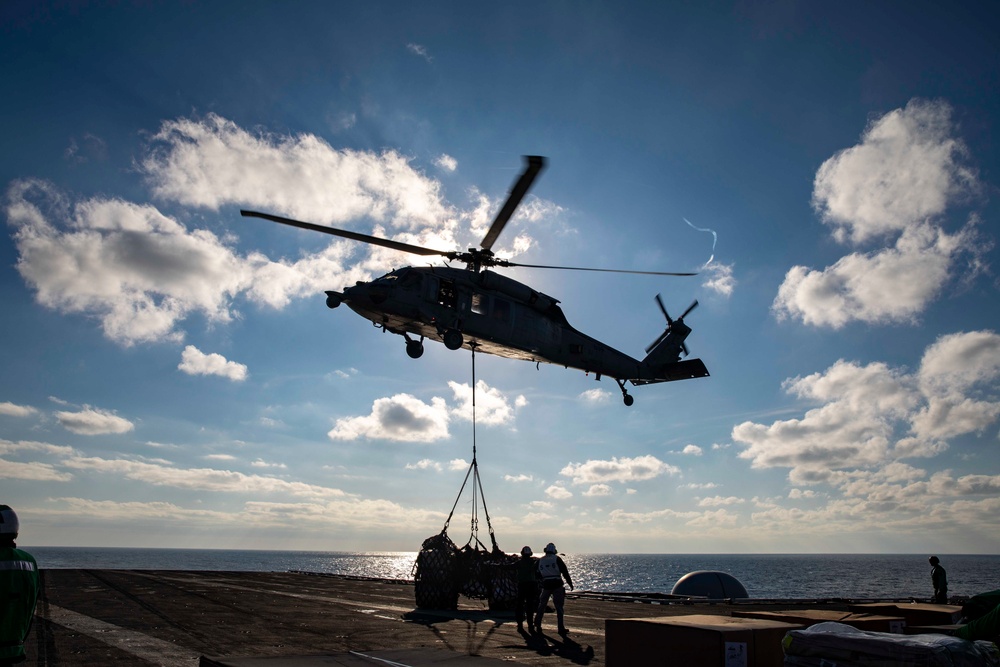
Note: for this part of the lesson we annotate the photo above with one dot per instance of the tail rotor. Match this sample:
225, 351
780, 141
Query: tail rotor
670, 324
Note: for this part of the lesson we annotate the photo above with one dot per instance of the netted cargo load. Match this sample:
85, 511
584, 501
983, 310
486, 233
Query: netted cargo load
488, 575
503, 582
436, 573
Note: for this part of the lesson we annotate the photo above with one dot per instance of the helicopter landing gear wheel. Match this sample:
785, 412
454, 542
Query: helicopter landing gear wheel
333, 299
453, 339
626, 397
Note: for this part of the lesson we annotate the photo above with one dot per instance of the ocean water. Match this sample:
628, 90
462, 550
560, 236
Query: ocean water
856, 576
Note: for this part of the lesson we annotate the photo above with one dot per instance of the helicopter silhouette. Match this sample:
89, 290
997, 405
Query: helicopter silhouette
497, 315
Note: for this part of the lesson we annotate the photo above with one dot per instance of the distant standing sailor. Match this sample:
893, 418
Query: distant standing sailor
552, 571
18, 590
940, 580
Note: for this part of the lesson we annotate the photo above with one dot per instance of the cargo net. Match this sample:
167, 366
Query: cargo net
442, 570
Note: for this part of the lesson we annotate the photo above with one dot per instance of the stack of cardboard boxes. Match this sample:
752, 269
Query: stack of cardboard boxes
752, 638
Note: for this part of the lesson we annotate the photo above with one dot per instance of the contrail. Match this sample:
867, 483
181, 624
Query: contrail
715, 238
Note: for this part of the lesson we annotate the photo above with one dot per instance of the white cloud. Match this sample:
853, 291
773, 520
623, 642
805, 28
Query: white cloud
212, 162
598, 490
8, 447
720, 501
12, 410
406, 418
458, 464
418, 49
196, 362
492, 407
907, 168
199, 479
621, 516
557, 492
951, 372
424, 464
33, 471
692, 450
320, 515
719, 278
622, 470
93, 421
261, 463
138, 271
891, 285
518, 478
595, 396
402, 417
959, 362
446, 162
902, 177
874, 415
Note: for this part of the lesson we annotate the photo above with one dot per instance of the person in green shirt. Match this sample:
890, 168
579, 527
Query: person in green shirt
19, 585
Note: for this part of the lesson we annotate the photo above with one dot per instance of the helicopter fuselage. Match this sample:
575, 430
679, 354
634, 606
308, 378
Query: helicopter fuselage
497, 315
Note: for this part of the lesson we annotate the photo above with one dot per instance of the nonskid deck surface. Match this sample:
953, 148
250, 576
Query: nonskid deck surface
166, 617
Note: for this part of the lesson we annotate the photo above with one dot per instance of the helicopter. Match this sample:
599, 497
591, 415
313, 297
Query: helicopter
492, 313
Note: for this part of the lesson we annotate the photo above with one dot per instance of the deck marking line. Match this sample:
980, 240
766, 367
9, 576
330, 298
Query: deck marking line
151, 649
388, 662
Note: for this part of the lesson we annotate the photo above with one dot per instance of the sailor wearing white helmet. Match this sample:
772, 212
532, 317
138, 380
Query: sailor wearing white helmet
552, 570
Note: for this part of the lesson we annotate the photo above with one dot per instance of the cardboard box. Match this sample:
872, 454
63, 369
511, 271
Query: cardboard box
700, 640
915, 613
807, 617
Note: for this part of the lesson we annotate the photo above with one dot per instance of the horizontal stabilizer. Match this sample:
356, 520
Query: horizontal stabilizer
680, 370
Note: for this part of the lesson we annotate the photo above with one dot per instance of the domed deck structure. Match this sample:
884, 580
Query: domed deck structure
710, 584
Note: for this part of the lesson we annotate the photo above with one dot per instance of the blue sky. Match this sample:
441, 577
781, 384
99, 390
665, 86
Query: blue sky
172, 377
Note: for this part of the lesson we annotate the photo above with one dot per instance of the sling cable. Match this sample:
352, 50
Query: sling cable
443, 570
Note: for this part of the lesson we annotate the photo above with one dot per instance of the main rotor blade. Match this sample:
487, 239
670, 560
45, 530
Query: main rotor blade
690, 308
534, 165
355, 236
585, 268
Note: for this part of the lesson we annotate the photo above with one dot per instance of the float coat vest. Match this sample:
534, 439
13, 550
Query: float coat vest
548, 568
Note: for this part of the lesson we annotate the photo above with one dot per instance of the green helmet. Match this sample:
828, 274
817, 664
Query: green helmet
8, 522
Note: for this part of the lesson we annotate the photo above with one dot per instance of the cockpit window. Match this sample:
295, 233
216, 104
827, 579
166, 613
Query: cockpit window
411, 279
